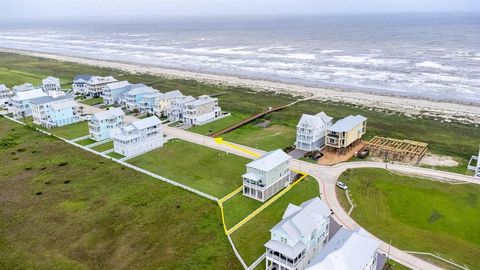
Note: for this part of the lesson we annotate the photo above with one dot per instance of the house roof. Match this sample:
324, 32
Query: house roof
316, 121
173, 94
347, 123
49, 99
269, 160
82, 77
100, 79
3, 87
116, 85
23, 87
347, 250
251, 176
147, 122
201, 100
51, 79
29, 94
108, 114
139, 88
65, 104
298, 221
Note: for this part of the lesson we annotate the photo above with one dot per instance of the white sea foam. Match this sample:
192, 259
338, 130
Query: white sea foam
433, 65
331, 51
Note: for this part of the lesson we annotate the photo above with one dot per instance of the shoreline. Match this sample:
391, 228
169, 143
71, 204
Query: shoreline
406, 105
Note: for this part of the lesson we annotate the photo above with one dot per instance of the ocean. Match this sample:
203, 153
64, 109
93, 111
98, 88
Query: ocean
433, 56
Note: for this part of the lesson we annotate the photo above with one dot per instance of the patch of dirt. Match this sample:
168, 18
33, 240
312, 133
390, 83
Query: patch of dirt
263, 124
332, 158
437, 160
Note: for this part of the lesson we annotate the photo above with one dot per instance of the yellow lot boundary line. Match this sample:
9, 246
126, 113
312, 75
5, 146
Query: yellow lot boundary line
233, 193
261, 208
247, 151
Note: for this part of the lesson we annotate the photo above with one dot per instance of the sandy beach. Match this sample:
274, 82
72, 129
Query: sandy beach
413, 107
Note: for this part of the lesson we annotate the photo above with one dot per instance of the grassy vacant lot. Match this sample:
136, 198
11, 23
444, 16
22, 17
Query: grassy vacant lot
454, 139
103, 147
250, 238
64, 208
115, 155
86, 142
211, 127
237, 208
418, 214
92, 101
72, 131
208, 170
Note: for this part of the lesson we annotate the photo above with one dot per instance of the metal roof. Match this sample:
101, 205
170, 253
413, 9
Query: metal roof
49, 99
269, 160
347, 123
29, 94
147, 122
316, 121
108, 114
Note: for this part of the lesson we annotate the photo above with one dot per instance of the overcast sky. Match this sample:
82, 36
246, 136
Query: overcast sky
22, 9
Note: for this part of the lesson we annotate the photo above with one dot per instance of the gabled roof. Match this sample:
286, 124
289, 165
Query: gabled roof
288, 251
201, 100
65, 104
347, 123
49, 99
173, 94
302, 220
23, 87
139, 88
100, 79
316, 121
83, 77
251, 176
147, 122
108, 114
29, 94
347, 250
269, 160
116, 85
51, 79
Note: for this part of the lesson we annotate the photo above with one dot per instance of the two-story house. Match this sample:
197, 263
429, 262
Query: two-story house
138, 137
5, 94
91, 85
299, 236
348, 250
148, 101
56, 110
165, 101
267, 175
176, 109
20, 101
51, 84
203, 110
311, 130
134, 95
346, 131
113, 92
103, 123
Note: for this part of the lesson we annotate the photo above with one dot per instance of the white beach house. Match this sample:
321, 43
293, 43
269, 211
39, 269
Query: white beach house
348, 250
134, 95
21, 106
5, 94
203, 110
267, 175
147, 102
346, 131
176, 108
56, 110
51, 84
22, 87
165, 101
91, 85
311, 130
103, 123
113, 92
299, 237
138, 137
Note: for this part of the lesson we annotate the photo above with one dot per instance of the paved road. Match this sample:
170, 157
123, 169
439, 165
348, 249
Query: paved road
327, 177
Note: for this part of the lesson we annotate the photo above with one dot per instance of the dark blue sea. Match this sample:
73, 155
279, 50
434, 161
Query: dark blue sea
435, 56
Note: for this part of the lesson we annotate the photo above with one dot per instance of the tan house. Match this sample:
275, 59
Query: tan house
346, 131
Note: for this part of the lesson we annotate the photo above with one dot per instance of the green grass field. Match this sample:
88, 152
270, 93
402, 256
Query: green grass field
103, 147
418, 214
250, 238
208, 170
218, 125
92, 101
115, 155
72, 131
86, 142
64, 208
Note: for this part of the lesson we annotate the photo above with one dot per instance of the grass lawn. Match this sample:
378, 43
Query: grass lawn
250, 238
418, 214
86, 142
452, 139
218, 125
115, 155
208, 170
65, 208
72, 131
92, 101
237, 208
12, 77
103, 147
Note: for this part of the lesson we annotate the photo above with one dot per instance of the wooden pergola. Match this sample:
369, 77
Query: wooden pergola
398, 150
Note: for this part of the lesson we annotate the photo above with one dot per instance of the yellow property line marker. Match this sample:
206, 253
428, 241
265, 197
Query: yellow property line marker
261, 208
242, 149
231, 194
